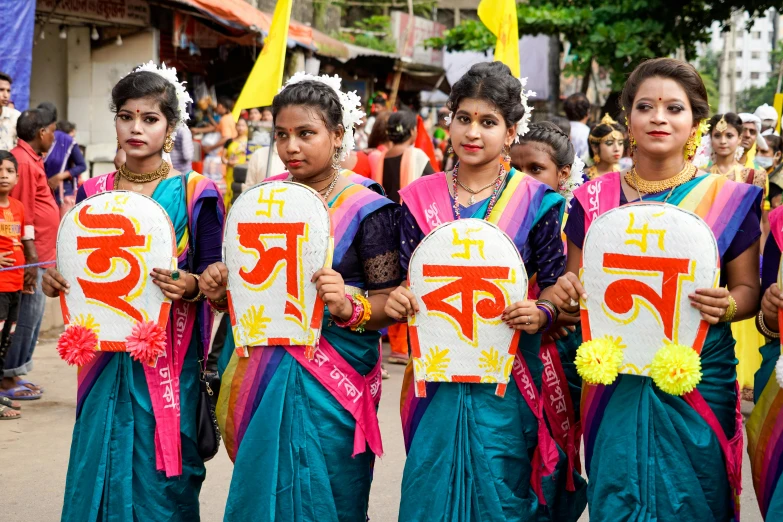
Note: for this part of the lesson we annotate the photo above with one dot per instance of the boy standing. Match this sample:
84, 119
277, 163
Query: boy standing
11, 254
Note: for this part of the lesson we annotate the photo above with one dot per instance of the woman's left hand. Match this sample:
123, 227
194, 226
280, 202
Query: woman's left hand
523, 315
331, 290
711, 302
172, 289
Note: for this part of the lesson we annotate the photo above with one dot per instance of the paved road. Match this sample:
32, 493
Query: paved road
34, 453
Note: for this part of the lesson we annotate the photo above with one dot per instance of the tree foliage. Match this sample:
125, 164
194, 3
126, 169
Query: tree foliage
373, 32
617, 34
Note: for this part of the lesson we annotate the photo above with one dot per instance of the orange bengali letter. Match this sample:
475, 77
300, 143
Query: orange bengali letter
99, 261
470, 280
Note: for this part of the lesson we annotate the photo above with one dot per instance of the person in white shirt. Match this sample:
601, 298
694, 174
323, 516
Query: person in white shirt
769, 119
577, 109
8, 115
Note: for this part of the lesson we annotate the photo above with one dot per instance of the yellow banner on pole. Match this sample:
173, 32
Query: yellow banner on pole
778, 104
500, 17
266, 78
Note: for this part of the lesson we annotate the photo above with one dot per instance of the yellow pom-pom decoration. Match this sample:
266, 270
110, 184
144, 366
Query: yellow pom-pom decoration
598, 360
676, 369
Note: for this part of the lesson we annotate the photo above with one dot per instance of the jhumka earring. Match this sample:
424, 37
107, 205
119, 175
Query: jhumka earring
506, 154
168, 145
596, 159
690, 147
336, 162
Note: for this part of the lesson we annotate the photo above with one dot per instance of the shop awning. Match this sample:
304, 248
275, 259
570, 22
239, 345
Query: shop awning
243, 17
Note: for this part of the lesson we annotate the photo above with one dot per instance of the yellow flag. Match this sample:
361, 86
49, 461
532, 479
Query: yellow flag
778, 104
266, 78
500, 17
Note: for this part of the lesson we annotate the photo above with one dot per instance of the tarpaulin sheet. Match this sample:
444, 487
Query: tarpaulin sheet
16, 47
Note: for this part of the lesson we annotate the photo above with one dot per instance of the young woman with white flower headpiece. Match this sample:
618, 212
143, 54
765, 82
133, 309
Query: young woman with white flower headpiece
471, 454
292, 442
129, 460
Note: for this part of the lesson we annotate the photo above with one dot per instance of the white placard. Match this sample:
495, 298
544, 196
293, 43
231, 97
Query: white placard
464, 275
277, 235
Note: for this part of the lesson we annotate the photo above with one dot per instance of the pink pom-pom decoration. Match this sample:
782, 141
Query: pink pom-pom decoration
146, 342
77, 344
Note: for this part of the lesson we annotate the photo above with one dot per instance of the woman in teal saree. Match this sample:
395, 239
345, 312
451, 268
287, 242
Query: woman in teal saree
118, 469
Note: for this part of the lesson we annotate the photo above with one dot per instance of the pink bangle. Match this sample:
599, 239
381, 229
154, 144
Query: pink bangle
355, 315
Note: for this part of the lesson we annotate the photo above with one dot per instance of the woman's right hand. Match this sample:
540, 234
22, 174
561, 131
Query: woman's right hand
401, 304
53, 283
567, 292
213, 281
770, 303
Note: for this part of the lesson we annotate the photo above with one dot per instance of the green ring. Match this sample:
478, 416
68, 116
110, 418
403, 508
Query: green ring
175, 275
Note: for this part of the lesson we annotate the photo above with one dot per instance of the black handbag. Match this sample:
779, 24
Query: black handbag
207, 429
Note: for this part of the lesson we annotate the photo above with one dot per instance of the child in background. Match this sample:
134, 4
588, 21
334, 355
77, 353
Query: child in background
11, 281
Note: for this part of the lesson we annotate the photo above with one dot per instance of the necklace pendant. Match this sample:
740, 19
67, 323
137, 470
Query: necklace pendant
471, 200
137, 188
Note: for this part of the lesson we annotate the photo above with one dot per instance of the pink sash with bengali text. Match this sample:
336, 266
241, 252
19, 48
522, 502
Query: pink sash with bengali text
357, 394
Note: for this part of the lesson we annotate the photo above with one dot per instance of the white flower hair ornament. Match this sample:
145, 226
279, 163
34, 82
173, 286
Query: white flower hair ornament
523, 125
704, 154
448, 118
170, 75
574, 180
350, 102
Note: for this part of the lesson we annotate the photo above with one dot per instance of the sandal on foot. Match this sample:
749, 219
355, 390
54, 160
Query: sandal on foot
30, 385
8, 403
13, 393
397, 360
7, 413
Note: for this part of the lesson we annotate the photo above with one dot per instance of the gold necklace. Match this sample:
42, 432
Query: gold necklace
472, 192
138, 180
653, 187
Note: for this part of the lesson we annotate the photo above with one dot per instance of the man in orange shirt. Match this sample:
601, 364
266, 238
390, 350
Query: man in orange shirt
227, 126
35, 130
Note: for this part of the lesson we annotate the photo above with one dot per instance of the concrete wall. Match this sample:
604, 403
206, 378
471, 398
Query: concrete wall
79, 72
49, 76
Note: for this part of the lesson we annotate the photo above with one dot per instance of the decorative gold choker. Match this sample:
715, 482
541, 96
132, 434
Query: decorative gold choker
138, 180
653, 187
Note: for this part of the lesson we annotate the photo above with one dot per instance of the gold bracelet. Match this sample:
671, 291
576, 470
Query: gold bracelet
731, 311
199, 296
763, 328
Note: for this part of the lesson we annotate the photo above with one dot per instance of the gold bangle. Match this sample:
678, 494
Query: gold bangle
199, 296
731, 311
763, 328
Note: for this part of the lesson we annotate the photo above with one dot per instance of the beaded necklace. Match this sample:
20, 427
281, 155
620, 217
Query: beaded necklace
492, 200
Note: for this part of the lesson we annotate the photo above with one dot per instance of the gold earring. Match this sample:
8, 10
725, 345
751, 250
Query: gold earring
118, 143
596, 159
506, 154
168, 145
690, 147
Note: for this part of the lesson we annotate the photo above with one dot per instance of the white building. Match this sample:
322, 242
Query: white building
748, 63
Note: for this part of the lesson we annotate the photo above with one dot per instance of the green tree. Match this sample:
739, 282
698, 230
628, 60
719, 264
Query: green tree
617, 34
373, 32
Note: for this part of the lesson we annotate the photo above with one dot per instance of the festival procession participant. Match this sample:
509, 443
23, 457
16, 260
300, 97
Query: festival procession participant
291, 439
546, 153
725, 133
237, 153
495, 457
607, 143
650, 454
64, 165
769, 119
764, 434
112, 472
395, 168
